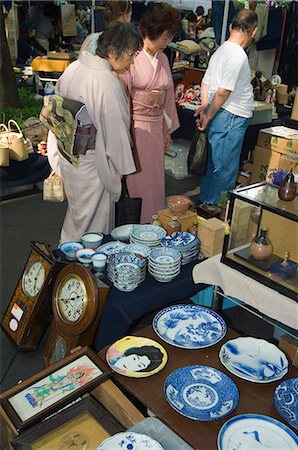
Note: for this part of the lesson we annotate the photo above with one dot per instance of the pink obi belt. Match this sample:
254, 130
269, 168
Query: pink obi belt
148, 103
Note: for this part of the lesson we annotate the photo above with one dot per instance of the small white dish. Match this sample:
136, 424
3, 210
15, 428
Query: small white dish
131, 441
92, 239
122, 233
84, 256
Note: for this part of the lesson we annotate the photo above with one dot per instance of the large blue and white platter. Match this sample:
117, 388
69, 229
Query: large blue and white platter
201, 393
189, 326
286, 400
255, 432
129, 440
254, 359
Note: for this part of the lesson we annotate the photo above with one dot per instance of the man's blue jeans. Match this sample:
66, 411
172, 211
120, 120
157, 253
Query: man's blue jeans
225, 136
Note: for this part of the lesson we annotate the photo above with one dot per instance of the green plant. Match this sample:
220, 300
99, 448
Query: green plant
30, 106
223, 199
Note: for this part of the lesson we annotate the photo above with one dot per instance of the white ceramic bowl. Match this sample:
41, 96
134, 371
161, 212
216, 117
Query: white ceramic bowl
92, 239
122, 232
70, 249
84, 255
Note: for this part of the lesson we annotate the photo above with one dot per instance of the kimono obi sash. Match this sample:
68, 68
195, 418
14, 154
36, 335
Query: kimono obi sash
148, 103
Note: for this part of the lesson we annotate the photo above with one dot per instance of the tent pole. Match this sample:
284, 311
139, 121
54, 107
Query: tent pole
224, 22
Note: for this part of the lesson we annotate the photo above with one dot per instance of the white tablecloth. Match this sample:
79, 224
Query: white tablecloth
235, 284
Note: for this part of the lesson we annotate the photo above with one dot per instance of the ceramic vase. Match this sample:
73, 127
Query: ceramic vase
287, 190
261, 247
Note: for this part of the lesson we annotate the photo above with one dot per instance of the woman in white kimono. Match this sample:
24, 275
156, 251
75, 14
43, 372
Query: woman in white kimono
150, 84
93, 187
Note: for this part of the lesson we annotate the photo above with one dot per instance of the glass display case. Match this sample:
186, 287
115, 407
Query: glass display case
263, 239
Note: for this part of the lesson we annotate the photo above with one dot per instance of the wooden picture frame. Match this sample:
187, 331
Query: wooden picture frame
79, 425
53, 388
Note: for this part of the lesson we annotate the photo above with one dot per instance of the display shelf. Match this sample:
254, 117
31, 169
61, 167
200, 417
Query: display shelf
255, 207
218, 301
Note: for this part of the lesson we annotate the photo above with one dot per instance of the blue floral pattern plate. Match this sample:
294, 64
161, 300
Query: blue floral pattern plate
189, 326
148, 233
201, 392
110, 248
255, 432
180, 239
254, 359
130, 441
286, 400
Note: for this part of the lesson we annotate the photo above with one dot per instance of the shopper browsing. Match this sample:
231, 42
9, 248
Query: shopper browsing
227, 105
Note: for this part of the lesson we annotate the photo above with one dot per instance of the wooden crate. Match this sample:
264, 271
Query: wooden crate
186, 219
211, 234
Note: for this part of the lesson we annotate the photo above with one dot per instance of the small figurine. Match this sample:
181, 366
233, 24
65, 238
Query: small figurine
179, 93
258, 86
285, 261
189, 95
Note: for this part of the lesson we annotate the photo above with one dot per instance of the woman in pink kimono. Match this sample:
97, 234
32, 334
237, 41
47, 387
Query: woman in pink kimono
93, 187
149, 82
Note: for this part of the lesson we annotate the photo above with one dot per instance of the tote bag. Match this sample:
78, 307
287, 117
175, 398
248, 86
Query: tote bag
198, 155
128, 210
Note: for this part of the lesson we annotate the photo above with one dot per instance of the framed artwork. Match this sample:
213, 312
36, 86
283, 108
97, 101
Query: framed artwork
83, 426
53, 388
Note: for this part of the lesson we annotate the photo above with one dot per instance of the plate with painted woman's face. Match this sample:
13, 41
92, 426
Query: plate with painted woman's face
136, 356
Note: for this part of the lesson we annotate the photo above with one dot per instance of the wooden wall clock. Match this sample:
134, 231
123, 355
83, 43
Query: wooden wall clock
78, 299
28, 312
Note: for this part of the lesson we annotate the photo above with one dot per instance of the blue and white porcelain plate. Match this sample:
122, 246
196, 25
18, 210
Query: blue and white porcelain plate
255, 432
148, 233
286, 400
140, 249
201, 392
189, 326
110, 248
180, 239
129, 440
122, 232
254, 359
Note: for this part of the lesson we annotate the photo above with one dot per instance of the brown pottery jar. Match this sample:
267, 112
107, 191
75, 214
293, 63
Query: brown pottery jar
261, 247
287, 190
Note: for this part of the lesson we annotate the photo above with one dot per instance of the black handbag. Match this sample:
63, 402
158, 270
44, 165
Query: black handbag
128, 210
198, 154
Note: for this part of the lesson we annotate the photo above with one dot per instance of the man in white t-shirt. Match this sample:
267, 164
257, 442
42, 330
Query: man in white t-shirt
227, 105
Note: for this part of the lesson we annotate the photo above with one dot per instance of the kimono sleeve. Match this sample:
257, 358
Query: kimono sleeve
171, 121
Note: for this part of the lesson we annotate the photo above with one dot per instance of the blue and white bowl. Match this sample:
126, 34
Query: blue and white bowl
201, 393
286, 400
165, 256
140, 249
129, 440
70, 248
84, 255
187, 244
149, 235
92, 239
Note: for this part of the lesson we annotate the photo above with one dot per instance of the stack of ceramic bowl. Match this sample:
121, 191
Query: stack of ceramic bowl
126, 270
164, 264
187, 244
149, 235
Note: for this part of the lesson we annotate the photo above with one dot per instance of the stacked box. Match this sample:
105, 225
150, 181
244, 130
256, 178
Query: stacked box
240, 222
211, 234
186, 219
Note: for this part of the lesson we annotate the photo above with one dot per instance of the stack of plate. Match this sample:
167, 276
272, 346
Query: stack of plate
187, 244
140, 249
149, 235
164, 264
126, 270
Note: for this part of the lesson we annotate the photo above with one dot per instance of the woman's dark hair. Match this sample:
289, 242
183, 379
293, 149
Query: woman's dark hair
158, 18
153, 353
118, 37
245, 20
200, 11
115, 9
191, 17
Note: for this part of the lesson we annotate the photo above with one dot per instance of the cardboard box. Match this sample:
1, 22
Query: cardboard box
281, 139
186, 219
265, 160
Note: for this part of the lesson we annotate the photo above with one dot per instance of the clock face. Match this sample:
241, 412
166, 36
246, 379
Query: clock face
33, 278
71, 298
